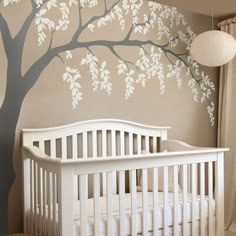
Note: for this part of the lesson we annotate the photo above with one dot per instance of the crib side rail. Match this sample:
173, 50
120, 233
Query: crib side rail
197, 161
140, 161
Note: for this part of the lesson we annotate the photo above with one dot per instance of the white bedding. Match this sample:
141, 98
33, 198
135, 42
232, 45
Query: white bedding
139, 216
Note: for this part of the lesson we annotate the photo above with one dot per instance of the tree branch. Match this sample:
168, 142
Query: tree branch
21, 35
6, 35
198, 81
145, 51
61, 59
182, 54
80, 29
105, 5
132, 29
94, 55
51, 40
173, 39
31, 76
185, 63
129, 32
80, 14
33, 73
33, 3
109, 44
168, 58
36, 69
119, 57
25, 27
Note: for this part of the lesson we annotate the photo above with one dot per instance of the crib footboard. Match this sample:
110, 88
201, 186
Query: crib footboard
109, 203
201, 205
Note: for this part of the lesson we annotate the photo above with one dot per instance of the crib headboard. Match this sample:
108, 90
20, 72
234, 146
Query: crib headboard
96, 138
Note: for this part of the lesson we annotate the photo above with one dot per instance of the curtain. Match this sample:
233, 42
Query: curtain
227, 128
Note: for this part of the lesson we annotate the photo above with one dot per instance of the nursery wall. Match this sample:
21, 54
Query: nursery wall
49, 102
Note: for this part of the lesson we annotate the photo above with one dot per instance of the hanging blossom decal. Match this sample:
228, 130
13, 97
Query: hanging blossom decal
171, 28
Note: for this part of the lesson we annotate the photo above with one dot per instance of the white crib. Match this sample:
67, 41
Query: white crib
114, 177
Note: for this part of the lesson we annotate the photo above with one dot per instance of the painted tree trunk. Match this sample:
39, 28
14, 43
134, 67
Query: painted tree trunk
9, 114
16, 89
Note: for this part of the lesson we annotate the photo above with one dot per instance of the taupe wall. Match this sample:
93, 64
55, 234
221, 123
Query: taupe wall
49, 101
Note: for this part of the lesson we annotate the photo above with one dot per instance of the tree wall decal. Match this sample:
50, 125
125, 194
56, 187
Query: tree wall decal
165, 20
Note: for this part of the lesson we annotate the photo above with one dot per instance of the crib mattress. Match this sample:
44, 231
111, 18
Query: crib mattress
149, 212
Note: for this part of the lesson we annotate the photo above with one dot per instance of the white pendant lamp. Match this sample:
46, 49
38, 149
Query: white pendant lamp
213, 48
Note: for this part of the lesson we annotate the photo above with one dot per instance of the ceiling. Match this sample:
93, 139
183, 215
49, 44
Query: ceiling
221, 8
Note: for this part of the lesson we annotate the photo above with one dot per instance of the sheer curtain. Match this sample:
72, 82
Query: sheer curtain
227, 128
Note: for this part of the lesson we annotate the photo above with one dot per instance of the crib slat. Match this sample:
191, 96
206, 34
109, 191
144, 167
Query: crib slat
109, 203
139, 148
64, 148
139, 144
122, 202
166, 231
113, 153
44, 202
154, 144
96, 190
31, 195
74, 146
122, 143
42, 146
155, 201
35, 199
185, 199
104, 143
85, 145
54, 201
94, 144
76, 187
176, 199
133, 202
132, 175
104, 153
49, 190
53, 148
131, 151
202, 196
147, 143
194, 192
75, 156
39, 200
113, 143
83, 185
210, 196
145, 201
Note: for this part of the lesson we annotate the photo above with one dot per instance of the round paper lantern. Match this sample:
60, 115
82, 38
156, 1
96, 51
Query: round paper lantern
213, 48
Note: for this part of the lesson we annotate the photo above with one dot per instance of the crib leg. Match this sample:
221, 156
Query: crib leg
220, 195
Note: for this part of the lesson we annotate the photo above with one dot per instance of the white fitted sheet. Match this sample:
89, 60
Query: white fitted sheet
149, 211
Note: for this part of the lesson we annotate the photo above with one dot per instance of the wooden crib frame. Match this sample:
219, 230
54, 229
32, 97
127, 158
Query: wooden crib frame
52, 184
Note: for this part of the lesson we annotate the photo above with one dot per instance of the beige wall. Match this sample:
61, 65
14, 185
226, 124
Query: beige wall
49, 101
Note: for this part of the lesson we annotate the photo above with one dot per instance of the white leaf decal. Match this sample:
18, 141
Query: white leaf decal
68, 55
